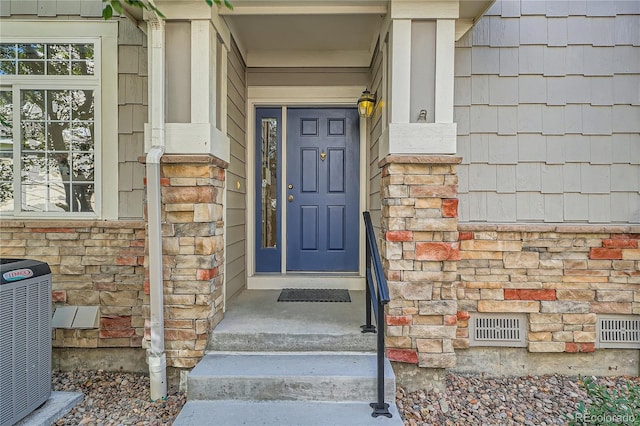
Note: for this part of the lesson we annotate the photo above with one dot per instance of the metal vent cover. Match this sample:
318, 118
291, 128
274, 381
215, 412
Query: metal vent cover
488, 329
618, 331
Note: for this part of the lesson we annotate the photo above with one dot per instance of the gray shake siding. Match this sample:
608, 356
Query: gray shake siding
547, 101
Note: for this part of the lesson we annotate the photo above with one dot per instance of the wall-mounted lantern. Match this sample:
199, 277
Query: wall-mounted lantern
366, 103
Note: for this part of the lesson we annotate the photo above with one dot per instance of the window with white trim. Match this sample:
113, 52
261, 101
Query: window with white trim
49, 127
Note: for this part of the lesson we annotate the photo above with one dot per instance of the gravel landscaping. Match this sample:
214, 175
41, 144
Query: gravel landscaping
123, 399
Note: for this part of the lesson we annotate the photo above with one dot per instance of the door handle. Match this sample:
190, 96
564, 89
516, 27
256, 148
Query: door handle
290, 198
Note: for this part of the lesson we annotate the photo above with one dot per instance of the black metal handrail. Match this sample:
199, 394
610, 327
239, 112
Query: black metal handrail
380, 292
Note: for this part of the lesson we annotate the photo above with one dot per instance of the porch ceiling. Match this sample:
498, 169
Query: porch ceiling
314, 34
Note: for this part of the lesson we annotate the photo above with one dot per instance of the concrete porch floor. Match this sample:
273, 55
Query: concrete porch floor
256, 321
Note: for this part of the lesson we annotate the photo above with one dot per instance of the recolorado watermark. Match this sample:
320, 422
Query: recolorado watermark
606, 418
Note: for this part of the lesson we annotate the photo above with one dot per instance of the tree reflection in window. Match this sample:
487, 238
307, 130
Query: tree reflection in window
47, 59
57, 150
269, 198
6, 151
56, 142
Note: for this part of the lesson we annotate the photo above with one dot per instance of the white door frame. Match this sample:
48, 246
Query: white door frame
308, 96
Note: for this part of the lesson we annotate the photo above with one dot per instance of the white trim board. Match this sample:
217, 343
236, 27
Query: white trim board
311, 96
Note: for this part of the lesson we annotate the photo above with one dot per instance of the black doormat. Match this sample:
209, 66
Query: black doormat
314, 295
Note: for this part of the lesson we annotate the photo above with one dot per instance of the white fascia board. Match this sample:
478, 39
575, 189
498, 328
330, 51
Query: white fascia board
307, 95
418, 139
462, 26
223, 28
196, 138
184, 10
425, 9
58, 28
308, 58
318, 9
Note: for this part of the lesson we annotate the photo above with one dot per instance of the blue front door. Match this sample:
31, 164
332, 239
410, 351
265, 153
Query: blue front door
322, 189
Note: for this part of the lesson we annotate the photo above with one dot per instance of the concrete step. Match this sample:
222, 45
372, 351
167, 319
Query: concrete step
256, 321
282, 413
287, 341
318, 376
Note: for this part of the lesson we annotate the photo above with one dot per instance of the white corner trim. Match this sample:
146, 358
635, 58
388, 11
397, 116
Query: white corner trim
108, 128
418, 139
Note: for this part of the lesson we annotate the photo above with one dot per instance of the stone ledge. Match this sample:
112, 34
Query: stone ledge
566, 229
67, 223
419, 159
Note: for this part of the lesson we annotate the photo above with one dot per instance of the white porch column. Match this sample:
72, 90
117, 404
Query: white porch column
412, 67
205, 133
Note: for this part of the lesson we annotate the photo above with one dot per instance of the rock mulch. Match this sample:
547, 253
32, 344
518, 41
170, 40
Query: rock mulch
116, 399
476, 400
123, 399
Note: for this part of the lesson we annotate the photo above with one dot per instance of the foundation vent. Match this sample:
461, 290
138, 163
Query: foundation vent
497, 330
618, 331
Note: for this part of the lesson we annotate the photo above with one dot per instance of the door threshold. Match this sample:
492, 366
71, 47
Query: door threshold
306, 280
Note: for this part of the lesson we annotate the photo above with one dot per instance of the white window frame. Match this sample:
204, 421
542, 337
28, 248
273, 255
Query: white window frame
104, 83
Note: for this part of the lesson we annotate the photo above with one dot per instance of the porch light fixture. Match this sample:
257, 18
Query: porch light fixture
366, 103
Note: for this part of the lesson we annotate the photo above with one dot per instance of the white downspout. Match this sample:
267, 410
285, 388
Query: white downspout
157, 357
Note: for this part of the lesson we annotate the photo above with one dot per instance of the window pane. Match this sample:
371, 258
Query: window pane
33, 135
58, 52
32, 104
58, 68
6, 181
58, 175
31, 51
6, 151
7, 51
7, 67
81, 105
269, 198
83, 61
6, 121
43, 198
31, 67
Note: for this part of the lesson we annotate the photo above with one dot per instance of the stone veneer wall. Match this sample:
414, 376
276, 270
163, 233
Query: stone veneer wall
562, 276
193, 254
93, 263
419, 251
